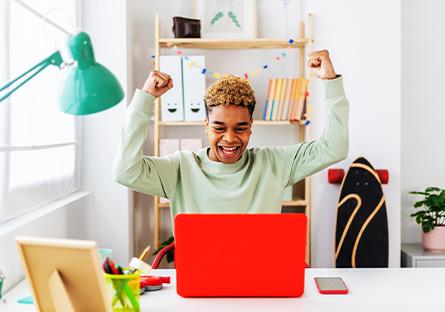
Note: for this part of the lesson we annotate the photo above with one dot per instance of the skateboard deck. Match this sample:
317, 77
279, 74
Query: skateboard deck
361, 237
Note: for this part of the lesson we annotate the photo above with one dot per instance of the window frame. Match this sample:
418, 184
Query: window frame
6, 149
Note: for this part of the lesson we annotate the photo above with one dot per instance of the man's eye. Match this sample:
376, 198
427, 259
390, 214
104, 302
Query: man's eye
240, 129
218, 129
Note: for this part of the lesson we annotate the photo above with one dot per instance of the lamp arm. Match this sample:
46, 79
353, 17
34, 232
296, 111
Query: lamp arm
53, 59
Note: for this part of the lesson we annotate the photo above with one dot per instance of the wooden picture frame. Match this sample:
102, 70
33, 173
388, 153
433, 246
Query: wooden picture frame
230, 19
64, 275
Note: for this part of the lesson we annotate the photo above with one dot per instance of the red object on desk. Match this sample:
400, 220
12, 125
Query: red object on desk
150, 280
240, 255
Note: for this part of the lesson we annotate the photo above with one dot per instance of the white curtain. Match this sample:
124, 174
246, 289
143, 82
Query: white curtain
38, 144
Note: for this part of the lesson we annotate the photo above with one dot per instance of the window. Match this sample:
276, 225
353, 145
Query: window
39, 145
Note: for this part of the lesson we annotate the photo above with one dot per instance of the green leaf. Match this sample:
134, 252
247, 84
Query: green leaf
419, 193
419, 204
163, 244
433, 189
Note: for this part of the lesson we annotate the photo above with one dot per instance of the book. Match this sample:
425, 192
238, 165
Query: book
285, 114
276, 101
301, 100
296, 95
281, 100
268, 103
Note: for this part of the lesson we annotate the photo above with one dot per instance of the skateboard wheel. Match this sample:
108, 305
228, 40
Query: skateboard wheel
383, 175
335, 176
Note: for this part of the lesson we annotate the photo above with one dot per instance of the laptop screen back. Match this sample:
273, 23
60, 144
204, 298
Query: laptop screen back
240, 255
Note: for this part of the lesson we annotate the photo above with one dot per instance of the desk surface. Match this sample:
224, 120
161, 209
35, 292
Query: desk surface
370, 290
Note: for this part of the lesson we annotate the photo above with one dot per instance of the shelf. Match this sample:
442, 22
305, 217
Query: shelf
189, 43
255, 123
287, 203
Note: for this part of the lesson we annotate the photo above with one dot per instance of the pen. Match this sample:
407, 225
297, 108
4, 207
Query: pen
145, 252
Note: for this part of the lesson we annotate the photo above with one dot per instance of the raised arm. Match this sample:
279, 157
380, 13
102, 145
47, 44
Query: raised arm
294, 163
150, 175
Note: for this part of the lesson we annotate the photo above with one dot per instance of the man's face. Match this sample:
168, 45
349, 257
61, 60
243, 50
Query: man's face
228, 128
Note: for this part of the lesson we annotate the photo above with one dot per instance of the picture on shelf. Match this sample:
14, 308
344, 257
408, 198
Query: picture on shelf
231, 19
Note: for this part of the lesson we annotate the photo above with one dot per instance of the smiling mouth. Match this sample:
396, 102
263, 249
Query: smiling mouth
172, 110
229, 152
195, 110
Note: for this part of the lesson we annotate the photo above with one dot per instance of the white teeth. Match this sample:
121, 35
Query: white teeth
229, 150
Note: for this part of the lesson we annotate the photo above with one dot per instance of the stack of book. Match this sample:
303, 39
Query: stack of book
286, 99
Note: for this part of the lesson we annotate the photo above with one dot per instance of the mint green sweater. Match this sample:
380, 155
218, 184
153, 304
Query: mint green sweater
254, 184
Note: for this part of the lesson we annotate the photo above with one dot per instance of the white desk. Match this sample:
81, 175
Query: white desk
404, 289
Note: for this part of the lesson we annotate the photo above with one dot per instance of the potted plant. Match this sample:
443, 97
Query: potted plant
431, 215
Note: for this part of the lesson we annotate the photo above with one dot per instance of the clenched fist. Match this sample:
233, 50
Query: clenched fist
320, 64
157, 83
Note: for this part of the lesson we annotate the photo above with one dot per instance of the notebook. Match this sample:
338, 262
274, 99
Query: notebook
240, 255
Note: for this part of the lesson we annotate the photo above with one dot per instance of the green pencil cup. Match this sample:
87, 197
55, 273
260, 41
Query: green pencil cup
124, 291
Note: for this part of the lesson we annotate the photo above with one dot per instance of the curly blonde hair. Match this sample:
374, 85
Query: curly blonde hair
230, 90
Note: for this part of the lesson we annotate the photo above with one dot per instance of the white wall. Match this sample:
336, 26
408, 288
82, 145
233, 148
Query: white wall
109, 211
364, 40
423, 130
69, 221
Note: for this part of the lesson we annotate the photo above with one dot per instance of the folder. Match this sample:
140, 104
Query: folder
172, 104
194, 83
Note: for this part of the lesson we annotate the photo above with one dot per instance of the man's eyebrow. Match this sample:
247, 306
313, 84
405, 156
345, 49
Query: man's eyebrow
218, 123
243, 123
221, 123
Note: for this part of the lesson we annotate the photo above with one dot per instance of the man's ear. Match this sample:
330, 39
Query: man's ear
206, 123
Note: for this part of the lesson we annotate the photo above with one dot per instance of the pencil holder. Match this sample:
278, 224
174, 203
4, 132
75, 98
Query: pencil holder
124, 290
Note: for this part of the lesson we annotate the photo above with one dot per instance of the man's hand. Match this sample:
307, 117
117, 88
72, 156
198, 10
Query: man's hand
320, 64
157, 83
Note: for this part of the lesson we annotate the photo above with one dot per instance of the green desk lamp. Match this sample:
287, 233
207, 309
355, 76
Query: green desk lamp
89, 87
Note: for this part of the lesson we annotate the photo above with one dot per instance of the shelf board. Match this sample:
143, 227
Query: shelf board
196, 43
286, 203
294, 203
255, 123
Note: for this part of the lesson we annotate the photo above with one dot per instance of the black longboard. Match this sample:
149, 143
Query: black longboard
361, 237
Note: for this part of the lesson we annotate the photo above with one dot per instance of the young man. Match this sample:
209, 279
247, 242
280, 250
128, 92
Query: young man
227, 177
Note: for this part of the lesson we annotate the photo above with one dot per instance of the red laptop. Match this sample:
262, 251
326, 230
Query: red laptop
240, 255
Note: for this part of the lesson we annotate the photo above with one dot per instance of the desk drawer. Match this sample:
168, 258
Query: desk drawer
430, 263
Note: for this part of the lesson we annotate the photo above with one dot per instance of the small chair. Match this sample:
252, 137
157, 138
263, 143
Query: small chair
158, 258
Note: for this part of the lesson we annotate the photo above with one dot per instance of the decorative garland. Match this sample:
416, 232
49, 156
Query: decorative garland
247, 75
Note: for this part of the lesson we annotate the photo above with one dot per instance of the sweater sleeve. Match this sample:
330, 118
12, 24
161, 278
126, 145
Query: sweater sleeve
149, 175
293, 163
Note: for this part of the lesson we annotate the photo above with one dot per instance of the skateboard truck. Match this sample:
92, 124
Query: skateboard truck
335, 176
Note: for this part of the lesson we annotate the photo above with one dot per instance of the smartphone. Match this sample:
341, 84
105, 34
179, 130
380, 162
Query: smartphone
331, 285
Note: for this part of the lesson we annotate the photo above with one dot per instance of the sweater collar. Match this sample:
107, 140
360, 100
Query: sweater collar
219, 167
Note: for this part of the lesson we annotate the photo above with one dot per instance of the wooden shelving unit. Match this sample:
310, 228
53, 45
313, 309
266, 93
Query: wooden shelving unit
230, 44
303, 43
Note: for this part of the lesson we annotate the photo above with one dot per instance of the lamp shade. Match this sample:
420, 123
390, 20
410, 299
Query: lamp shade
89, 87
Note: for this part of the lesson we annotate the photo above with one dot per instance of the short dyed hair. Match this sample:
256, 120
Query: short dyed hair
230, 90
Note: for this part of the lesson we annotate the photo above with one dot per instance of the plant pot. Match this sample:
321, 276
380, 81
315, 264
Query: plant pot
434, 240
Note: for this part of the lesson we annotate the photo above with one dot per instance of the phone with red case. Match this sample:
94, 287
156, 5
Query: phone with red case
331, 285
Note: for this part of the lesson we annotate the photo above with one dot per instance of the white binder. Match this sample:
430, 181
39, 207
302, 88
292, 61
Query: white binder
172, 103
194, 87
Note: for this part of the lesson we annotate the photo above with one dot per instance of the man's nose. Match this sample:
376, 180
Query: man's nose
229, 136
